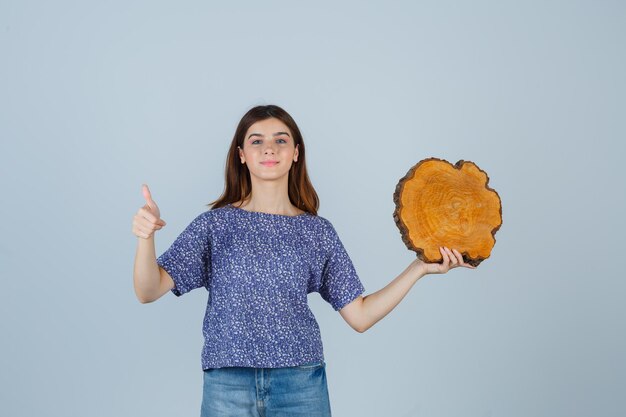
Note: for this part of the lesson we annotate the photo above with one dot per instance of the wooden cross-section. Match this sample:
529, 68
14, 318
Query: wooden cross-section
440, 204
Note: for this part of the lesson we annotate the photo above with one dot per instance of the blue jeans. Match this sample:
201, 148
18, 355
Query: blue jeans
266, 392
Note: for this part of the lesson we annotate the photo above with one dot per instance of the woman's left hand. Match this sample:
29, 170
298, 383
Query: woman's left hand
451, 259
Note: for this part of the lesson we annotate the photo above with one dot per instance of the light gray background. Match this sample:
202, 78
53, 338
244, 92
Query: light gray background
97, 98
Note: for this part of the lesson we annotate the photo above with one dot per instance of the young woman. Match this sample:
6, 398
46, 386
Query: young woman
259, 251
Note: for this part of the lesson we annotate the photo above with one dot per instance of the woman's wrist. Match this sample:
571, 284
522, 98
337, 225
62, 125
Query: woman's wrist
419, 268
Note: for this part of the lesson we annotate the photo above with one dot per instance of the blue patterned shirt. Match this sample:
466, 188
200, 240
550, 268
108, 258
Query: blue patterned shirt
258, 269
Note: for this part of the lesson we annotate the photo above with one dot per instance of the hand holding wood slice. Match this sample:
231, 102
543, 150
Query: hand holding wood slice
443, 205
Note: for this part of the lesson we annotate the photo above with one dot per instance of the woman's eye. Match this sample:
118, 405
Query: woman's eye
257, 140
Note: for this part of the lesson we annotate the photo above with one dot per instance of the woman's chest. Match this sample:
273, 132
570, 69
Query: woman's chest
275, 261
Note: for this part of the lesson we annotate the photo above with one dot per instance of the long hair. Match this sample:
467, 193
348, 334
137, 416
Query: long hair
237, 176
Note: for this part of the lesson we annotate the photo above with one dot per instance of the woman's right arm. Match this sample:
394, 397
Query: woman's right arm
150, 280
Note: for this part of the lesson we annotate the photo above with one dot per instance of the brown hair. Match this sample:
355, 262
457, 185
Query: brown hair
237, 177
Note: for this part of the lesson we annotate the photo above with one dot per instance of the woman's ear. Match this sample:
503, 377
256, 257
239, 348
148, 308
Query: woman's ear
243, 159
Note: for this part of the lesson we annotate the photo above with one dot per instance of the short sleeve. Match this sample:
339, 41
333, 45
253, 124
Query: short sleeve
188, 259
340, 283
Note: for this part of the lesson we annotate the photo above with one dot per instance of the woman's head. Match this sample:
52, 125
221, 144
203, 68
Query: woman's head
268, 133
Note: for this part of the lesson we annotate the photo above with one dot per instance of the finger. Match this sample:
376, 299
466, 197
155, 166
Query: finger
160, 222
453, 259
148, 196
446, 261
140, 231
151, 217
145, 223
139, 234
147, 215
461, 261
142, 235
458, 256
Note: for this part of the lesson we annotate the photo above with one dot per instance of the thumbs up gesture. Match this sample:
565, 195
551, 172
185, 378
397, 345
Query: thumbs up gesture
148, 218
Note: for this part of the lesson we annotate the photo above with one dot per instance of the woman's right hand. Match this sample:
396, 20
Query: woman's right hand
148, 218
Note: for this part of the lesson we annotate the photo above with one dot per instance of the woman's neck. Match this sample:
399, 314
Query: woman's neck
269, 205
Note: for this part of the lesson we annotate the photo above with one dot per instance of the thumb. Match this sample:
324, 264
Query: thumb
148, 196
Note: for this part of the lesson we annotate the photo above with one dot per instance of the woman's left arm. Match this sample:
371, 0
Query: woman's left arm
364, 312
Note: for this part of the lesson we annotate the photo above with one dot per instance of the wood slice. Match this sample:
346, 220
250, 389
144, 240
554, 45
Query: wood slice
440, 204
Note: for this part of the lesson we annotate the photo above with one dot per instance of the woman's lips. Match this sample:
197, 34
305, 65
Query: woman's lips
269, 164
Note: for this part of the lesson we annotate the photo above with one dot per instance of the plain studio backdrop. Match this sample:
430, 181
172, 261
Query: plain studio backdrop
97, 98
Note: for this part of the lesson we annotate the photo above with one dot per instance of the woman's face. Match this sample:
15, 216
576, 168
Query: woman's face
265, 141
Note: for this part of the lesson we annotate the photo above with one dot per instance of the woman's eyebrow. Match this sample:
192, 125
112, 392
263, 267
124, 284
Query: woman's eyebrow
275, 134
